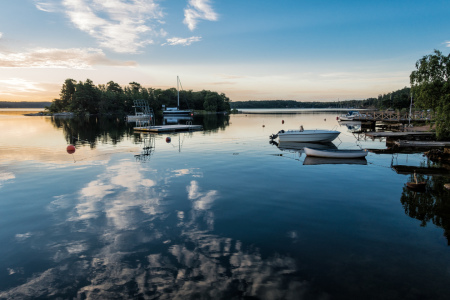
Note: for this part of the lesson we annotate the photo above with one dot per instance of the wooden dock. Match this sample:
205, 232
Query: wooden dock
422, 144
400, 134
168, 128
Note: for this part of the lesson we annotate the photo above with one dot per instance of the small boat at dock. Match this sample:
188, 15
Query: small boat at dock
350, 116
334, 153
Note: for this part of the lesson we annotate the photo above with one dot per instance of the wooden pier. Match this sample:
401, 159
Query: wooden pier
412, 134
394, 116
168, 128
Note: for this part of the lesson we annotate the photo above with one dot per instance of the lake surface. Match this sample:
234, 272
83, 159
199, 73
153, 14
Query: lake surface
214, 214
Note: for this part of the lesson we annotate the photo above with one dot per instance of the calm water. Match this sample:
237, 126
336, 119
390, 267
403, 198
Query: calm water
215, 214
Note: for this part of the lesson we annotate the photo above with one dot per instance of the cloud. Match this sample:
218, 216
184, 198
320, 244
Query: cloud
448, 42
182, 41
45, 6
118, 25
1, 34
23, 236
198, 10
12, 86
74, 58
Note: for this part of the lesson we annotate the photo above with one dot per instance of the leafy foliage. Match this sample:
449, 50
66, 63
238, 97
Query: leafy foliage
431, 89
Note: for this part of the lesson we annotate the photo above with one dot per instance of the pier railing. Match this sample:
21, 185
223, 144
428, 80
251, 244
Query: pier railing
394, 116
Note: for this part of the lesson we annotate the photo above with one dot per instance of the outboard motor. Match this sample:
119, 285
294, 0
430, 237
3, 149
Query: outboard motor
274, 136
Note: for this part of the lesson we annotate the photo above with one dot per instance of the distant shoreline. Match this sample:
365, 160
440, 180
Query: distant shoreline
23, 104
292, 110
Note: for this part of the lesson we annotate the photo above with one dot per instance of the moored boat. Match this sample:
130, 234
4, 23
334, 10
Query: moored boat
176, 111
306, 136
349, 116
330, 153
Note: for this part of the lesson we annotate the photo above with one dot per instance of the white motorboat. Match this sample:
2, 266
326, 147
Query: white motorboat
306, 136
172, 111
350, 116
330, 153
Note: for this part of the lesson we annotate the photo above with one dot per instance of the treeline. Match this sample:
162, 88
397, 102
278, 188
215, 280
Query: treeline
395, 100
23, 104
111, 98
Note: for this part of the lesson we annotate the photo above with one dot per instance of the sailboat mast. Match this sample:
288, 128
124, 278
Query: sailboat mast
178, 93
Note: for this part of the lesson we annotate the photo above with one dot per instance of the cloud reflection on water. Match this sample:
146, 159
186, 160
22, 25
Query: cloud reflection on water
123, 240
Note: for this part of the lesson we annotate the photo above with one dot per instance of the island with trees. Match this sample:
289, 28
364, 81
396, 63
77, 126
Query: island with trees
111, 98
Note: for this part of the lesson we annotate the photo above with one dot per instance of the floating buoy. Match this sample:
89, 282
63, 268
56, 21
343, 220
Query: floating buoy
282, 121
264, 125
337, 118
70, 149
325, 120
168, 139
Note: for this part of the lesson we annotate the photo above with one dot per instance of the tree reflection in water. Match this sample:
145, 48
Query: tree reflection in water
430, 205
113, 130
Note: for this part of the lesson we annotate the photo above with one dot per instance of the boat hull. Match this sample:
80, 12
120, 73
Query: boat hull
335, 153
176, 112
308, 136
342, 118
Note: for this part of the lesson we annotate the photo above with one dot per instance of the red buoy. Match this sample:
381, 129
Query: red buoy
337, 118
282, 121
70, 149
168, 139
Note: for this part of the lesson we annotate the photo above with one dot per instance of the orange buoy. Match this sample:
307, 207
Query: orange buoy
70, 149
168, 139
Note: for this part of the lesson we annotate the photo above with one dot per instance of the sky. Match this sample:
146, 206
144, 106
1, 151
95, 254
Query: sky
248, 49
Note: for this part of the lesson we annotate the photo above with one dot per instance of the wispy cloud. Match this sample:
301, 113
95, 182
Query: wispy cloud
1, 34
448, 42
12, 86
198, 10
45, 6
74, 58
124, 26
182, 41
